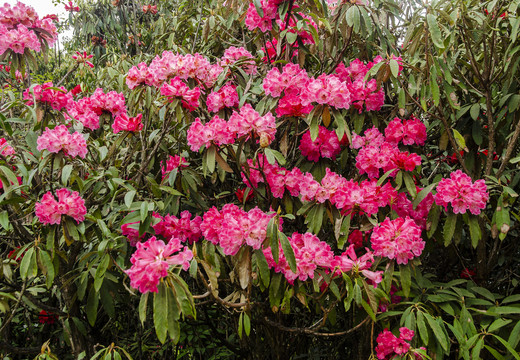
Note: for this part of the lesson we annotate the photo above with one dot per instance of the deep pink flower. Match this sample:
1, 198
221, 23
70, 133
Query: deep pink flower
125, 123
398, 239
462, 193
177, 89
82, 58
326, 145
152, 259
5, 148
173, 162
49, 211
225, 97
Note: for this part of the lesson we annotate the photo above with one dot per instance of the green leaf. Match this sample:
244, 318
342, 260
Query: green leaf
263, 267
394, 67
508, 347
288, 251
247, 324
160, 313
4, 220
272, 235
507, 310
497, 324
173, 317
435, 31
47, 267
514, 336
459, 139
65, 174
210, 159
474, 230
422, 195
406, 278
143, 302
27, 263
240, 324
434, 88
100, 271
410, 185
344, 231
449, 228
129, 198
474, 111
421, 325
437, 331
92, 306
291, 37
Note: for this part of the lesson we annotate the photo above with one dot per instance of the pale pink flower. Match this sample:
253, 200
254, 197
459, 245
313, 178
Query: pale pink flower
5, 148
59, 139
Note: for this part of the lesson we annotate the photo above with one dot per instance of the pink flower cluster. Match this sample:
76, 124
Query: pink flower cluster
232, 227
327, 90
5, 148
152, 9
184, 228
177, 89
398, 239
152, 259
292, 83
173, 162
349, 261
378, 154
264, 23
137, 75
347, 195
71, 8
363, 94
404, 207
225, 97
241, 57
171, 65
49, 211
247, 122
326, 145
462, 194
46, 94
410, 132
131, 233
21, 28
88, 109
389, 346
125, 123
310, 253
59, 139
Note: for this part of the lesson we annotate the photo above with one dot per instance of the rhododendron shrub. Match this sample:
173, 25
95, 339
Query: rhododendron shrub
254, 175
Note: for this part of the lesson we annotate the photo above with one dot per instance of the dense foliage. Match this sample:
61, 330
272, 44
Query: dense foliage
269, 179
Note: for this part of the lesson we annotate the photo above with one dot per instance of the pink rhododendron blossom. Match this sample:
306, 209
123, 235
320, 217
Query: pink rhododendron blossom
462, 193
57, 99
112, 102
184, 228
152, 259
21, 29
304, 35
84, 112
125, 123
398, 239
152, 9
404, 207
411, 131
253, 19
173, 162
310, 253
326, 145
59, 139
349, 261
137, 75
70, 7
247, 121
244, 58
49, 211
190, 66
232, 227
177, 89
216, 131
132, 234
327, 90
225, 97
5, 148
390, 346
